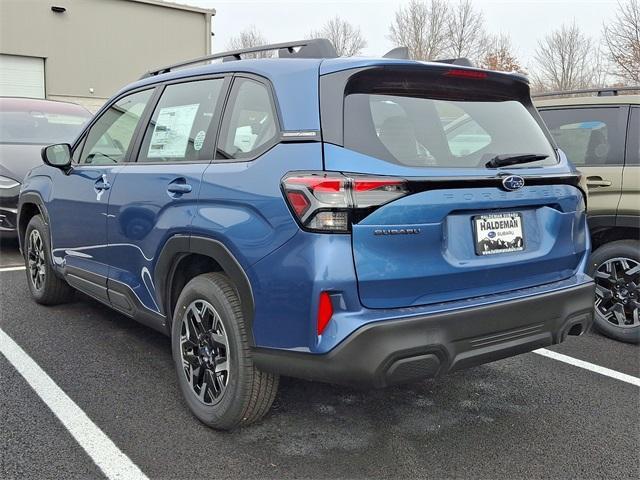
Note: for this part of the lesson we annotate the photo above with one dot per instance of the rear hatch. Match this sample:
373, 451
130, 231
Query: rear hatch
445, 226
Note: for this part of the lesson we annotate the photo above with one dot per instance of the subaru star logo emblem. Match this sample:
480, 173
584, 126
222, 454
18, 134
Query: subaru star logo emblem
512, 182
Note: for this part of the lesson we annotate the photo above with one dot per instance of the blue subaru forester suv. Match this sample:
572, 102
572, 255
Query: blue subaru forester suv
355, 221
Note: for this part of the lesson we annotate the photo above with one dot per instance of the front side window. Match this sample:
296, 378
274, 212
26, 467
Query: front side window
589, 137
180, 128
249, 125
427, 132
110, 136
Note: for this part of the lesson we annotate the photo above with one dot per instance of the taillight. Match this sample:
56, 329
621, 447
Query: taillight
330, 202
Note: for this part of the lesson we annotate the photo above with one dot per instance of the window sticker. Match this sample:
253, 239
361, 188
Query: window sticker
171, 131
199, 140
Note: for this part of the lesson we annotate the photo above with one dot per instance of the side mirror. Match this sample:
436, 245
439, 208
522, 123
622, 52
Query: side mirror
58, 156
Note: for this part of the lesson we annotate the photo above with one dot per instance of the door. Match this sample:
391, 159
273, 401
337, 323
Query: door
21, 76
629, 207
431, 221
593, 139
238, 185
79, 199
155, 196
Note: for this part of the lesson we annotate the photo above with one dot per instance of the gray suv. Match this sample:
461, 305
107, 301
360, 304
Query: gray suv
599, 131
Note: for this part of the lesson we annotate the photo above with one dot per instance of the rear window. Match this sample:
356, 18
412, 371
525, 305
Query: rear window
40, 127
419, 131
433, 116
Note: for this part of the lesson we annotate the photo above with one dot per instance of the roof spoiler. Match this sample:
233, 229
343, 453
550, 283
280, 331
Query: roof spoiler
402, 53
314, 48
462, 61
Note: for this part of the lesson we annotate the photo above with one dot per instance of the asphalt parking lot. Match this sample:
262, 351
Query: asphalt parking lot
524, 417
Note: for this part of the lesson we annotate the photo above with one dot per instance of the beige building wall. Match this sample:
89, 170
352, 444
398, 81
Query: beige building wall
97, 46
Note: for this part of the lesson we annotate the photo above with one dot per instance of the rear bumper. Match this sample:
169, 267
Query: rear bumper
389, 352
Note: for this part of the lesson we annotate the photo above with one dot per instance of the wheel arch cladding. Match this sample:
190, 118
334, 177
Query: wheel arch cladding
30, 205
180, 248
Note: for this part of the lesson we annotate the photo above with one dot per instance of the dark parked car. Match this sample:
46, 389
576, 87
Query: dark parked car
26, 125
357, 221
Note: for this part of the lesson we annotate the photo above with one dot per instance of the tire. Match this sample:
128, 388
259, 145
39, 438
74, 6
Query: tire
45, 286
237, 396
607, 263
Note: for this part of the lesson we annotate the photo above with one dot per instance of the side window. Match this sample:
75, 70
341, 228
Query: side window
109, 138
589, 137
181, 124
75, 158
633, 138
249, 125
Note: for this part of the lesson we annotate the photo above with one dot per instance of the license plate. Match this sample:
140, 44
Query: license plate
498, 233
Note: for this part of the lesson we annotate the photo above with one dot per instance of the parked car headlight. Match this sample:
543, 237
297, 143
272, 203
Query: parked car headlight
6, 182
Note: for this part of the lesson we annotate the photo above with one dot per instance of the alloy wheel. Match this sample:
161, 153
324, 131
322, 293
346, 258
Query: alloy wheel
618, 291
204, 348
36, 259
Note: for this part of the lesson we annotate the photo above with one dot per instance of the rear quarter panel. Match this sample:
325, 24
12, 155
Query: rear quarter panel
630, 191
241, 203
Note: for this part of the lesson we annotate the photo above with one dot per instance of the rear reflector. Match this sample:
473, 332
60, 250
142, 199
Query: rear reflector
325, 312
298, 202
326, 201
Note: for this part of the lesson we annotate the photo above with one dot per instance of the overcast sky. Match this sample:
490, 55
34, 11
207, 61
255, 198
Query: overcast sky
525, 20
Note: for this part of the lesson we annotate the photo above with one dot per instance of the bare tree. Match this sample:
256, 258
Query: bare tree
499, 55
601, 67
250, 37
622, 40
421, 26
564, 60
347, 38
466, 33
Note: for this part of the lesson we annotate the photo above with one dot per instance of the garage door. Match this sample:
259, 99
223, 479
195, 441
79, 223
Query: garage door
21, 76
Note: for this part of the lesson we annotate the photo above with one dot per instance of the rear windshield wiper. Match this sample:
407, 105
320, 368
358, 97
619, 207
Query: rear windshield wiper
506, 160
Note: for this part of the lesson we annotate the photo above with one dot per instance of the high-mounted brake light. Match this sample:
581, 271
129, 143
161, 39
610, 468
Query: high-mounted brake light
463, 73
328, 202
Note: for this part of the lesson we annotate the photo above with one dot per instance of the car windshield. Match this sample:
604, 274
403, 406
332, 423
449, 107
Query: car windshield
425, 132
41, 127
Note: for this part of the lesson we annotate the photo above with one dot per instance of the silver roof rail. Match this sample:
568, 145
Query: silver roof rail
314, 48
601, 92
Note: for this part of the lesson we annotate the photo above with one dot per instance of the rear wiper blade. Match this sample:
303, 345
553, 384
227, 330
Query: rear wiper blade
506, 160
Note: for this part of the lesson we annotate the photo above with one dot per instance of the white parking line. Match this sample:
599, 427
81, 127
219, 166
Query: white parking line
12, 269
106, 455
623, 377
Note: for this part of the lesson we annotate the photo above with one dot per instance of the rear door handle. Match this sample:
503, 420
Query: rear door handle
597, 182
102, 183
179, 186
